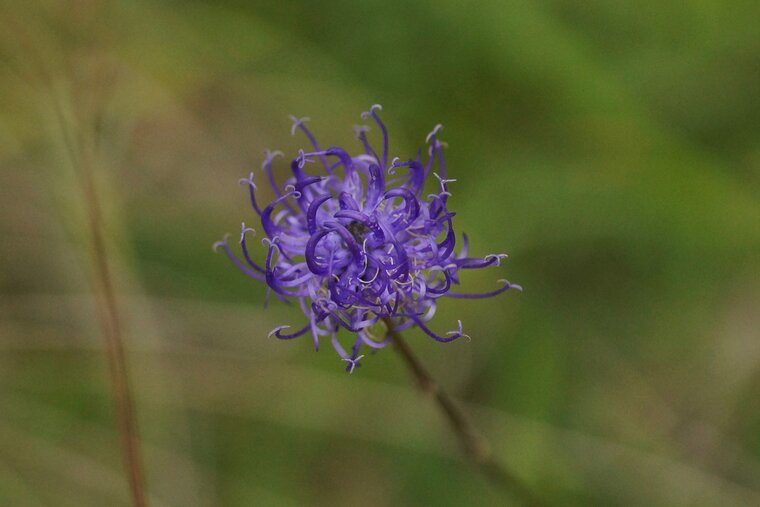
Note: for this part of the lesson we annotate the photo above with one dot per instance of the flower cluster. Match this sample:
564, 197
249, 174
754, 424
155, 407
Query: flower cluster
360, 245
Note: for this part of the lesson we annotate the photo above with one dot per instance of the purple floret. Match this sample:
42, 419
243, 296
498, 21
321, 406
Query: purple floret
360, 242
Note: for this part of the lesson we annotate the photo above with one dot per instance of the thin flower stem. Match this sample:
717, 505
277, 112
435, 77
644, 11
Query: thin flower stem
475, 445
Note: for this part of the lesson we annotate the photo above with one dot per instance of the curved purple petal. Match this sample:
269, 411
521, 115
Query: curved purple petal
355, 246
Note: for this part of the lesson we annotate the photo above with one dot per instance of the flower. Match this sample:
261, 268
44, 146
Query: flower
360, 245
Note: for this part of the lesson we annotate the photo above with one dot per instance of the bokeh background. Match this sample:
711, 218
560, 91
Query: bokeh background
611, 148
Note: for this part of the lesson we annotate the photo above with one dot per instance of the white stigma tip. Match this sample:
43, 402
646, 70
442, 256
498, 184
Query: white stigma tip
360, 129
434, 132
248, 181
372, 109
244, 229
271, 243
352, 362
297, 122
291, 190
497, 257
442, 180
511, 285
269, 156
276, 330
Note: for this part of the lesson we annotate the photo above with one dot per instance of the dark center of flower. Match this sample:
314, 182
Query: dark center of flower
358, 230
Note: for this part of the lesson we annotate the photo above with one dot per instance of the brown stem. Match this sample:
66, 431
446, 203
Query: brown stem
114, 347
108, 317
475, 445
81, 158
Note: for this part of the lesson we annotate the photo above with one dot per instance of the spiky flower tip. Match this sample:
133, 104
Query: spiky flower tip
360, 243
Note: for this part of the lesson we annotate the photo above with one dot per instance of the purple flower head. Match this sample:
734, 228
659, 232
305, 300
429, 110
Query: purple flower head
355, 240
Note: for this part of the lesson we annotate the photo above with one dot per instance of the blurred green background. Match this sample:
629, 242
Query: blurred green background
611, 148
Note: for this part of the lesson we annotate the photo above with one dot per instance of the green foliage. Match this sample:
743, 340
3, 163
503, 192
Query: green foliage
612, 149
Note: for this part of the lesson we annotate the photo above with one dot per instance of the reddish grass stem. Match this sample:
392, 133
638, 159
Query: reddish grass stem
107, 308
110, 321
108, 312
